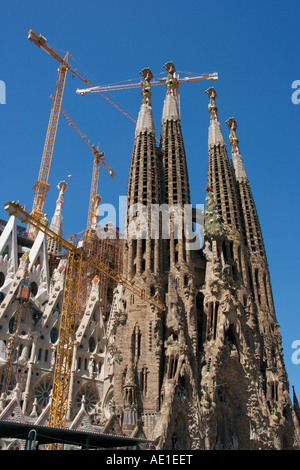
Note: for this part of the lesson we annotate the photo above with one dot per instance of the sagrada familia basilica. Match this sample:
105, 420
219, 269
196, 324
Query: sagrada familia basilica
207, 372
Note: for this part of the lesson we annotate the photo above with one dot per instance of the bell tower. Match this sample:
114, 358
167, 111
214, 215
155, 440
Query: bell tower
139, 337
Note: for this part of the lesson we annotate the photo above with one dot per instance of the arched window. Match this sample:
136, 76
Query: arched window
92, 344
2, 278
53, 335
90, 398
39, 354
11, 325
42, 394
34, 288
136, 342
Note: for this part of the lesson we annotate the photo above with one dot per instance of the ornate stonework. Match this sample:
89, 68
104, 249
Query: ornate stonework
206, 373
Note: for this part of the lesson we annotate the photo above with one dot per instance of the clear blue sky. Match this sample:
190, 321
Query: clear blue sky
253, 45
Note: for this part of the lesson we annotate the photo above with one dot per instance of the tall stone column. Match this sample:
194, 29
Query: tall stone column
274, 373
139, 337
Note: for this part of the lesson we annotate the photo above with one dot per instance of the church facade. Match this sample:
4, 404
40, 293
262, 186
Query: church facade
205, 373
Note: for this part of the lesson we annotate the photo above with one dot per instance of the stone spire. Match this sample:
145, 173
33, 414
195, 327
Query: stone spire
296, 405
232, 251
138, 338
215, 135
145, 121
236, 157
251, 225
213, 225
141, 254
196, 376
176, 191
180, 318
220, 175
274, 374
259, 276
57, 219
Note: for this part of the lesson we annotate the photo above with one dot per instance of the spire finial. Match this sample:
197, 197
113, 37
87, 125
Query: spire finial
146, 91
145, 121
233, 140
82, 404
171, 111
236, 160
215, 136
62, 186
212, 108
171, 82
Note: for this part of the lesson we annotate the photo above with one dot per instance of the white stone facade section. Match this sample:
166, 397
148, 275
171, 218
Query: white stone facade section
215, 136
170, 110
145, 121
238, 166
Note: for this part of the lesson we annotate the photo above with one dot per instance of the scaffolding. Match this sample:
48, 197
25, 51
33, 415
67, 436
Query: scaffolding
105, 244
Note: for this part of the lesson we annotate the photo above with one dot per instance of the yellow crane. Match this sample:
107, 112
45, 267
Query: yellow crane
41, 187
138, 84
173, 79
64, 355
41, 41
98, 159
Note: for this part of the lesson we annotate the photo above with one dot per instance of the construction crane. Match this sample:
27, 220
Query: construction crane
129, 84
64, 355
41, 187
98, 158
173, 79
41, 41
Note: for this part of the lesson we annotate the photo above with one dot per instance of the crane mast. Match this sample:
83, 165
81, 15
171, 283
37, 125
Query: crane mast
64, 353
41, 187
